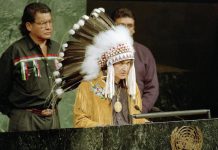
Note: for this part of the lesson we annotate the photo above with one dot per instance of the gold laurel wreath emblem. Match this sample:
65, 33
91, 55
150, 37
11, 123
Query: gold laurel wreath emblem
186, 138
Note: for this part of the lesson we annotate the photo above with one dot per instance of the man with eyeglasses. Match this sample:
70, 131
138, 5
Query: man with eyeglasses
26, 73
145, 65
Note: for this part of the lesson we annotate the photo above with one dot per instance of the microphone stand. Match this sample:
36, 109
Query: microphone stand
172, 114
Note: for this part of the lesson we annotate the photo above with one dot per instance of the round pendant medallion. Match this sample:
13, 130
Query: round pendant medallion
117, 106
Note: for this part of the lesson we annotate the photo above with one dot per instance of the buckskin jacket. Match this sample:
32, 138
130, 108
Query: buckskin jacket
92, 109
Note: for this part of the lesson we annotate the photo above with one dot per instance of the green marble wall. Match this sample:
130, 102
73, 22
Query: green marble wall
65, 14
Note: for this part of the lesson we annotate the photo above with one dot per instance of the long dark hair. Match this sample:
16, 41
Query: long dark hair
29, 15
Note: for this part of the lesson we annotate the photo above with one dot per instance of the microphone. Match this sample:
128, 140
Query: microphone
155, 110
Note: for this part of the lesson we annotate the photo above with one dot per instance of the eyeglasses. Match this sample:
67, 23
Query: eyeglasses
43, 24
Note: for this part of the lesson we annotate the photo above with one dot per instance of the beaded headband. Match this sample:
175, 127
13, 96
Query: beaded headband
115, 54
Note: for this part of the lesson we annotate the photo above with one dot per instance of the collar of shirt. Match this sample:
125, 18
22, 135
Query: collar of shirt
31, 44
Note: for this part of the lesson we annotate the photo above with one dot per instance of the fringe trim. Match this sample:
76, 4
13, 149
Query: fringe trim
131, 82
24, 71
109, 88
36, 65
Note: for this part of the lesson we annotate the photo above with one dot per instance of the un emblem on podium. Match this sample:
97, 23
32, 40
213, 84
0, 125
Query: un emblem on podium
186, 138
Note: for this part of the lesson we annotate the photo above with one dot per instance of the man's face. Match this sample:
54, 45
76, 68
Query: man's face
42, 27
121, 69
128, 22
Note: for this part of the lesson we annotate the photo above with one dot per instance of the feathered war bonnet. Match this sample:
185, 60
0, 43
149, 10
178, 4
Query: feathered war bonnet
96, 43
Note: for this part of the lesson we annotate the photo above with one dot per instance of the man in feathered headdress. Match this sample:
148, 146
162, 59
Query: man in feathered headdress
109, 93
102, 55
